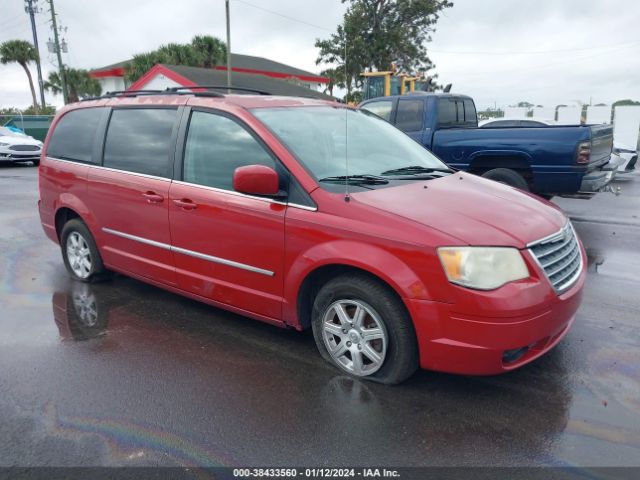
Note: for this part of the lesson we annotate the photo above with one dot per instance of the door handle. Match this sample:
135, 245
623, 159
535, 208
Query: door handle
153, 197
185, 204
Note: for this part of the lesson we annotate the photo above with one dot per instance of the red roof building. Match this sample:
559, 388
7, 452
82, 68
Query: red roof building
112, 77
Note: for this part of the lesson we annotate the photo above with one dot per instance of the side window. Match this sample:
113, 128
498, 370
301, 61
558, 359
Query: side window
381, 108
446, 112
460, 110
74, 135
139, 140
410, 114
215, 147
501, 124
470, 115
531, 123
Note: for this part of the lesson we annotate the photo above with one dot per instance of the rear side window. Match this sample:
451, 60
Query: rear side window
74, 135
447, 116
215, 147
381, 108
409, 115
139, 139
470, 115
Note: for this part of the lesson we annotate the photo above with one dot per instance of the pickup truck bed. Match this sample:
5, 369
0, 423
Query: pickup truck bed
550, 160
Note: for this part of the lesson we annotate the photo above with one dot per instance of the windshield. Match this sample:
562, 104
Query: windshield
318, 138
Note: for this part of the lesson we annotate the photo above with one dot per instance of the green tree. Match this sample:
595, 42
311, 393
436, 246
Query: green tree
210, 50
22, 53
79, 84
376, 33
336, 79
625, 102
203, 51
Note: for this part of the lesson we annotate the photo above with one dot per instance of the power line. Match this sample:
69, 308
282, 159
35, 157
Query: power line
534, 52
284, 16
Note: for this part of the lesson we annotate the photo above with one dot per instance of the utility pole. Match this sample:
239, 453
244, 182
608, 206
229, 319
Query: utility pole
58, 52
31, 7
228, 48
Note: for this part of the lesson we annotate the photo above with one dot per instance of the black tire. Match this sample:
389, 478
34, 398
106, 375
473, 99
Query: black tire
401, 355
96, 271
35, 162
507, 176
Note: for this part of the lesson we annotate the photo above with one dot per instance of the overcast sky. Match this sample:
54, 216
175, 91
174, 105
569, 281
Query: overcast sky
504, 51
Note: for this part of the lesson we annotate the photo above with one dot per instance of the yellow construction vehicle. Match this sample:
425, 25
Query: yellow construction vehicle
391, 82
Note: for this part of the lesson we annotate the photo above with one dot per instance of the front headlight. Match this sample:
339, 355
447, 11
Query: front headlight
4, 144
482, 268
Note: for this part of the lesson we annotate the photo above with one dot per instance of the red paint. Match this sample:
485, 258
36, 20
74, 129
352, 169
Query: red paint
160, 70
391, 232
113, 72
121, 71
256, 180
304, 78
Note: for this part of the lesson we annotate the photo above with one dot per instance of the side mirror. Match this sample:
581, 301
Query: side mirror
256, 180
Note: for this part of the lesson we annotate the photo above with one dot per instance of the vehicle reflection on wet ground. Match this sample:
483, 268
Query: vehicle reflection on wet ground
123, 373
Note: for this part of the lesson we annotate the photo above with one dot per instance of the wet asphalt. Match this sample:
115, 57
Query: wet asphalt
125, 374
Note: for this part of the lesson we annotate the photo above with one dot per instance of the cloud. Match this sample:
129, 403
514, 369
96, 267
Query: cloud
479, 46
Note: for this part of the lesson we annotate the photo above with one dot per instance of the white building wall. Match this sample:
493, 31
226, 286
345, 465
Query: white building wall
112, 84
544, 113
515, 111
569, 115
159, 82
599, 114
626, 125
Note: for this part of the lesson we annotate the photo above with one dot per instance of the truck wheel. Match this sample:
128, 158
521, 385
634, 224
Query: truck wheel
363, 328
508, 177
80, 253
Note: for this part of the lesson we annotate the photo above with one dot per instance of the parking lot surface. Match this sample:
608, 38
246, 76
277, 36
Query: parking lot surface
125, 374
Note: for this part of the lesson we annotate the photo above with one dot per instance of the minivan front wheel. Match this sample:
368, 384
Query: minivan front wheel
363, 328
80, 253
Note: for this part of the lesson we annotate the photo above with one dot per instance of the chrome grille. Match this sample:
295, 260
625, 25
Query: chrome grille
559, 256
24, 148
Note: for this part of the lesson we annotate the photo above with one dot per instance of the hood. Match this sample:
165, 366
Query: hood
19, 140
475, 210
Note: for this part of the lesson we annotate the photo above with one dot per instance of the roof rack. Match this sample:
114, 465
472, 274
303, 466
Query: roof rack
218, 87
177, 91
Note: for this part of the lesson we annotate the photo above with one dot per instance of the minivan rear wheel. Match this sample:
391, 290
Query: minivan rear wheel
361, 326
80, 253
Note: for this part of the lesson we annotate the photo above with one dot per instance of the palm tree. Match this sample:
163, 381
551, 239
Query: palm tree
210, 50
20, 52
79, 84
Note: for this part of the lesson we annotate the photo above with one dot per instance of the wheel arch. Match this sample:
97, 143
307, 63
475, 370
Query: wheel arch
481, 162
68, 207
306, 278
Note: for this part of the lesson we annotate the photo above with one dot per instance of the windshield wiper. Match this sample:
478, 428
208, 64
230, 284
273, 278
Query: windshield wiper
415, 169
356, 179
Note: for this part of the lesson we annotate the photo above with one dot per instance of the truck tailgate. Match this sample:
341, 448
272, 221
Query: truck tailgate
601, 145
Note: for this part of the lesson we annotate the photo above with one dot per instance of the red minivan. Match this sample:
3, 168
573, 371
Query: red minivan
310, 214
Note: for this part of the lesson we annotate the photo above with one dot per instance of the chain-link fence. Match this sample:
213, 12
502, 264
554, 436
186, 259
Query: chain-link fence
35, 125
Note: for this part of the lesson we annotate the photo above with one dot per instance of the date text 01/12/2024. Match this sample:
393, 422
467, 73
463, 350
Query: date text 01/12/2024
315, 473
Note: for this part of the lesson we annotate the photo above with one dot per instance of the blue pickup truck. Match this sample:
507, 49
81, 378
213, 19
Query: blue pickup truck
568, 160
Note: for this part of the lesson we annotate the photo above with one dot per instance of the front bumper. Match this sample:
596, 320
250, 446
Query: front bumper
19, 156
463, 338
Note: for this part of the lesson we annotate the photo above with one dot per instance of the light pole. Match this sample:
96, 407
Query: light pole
31, 7
63, 80
228, 48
